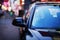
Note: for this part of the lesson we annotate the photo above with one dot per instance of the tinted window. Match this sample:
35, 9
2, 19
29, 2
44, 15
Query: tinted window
46, 17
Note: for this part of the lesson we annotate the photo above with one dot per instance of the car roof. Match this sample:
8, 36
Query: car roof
44, 3
52, 3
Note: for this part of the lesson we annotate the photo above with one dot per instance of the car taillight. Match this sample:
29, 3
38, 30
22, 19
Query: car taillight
50, 34
44, 33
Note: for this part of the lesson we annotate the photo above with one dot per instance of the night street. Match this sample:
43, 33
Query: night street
29, 19
7, 30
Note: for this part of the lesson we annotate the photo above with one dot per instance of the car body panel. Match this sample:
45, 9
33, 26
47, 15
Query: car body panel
36, 36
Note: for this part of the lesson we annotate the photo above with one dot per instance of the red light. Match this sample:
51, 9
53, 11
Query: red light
44, 33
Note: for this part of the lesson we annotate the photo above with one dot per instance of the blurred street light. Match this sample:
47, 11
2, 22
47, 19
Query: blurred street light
4, 8
21, 2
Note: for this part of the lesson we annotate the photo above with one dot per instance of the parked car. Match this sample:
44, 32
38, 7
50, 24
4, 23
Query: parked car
43, 23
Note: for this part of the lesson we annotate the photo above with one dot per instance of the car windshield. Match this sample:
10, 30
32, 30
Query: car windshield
46, 17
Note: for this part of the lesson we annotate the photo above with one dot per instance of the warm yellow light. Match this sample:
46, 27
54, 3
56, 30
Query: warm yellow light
22, 0
4, 8
22, 3
9, 9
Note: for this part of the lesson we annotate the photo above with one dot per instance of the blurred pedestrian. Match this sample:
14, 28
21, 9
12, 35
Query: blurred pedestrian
1, 11
27, 12
22, 28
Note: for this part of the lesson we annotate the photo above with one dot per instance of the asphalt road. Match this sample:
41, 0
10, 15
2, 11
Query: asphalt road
7, 30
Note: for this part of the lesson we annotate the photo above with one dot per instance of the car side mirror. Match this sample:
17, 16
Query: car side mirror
18, 21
